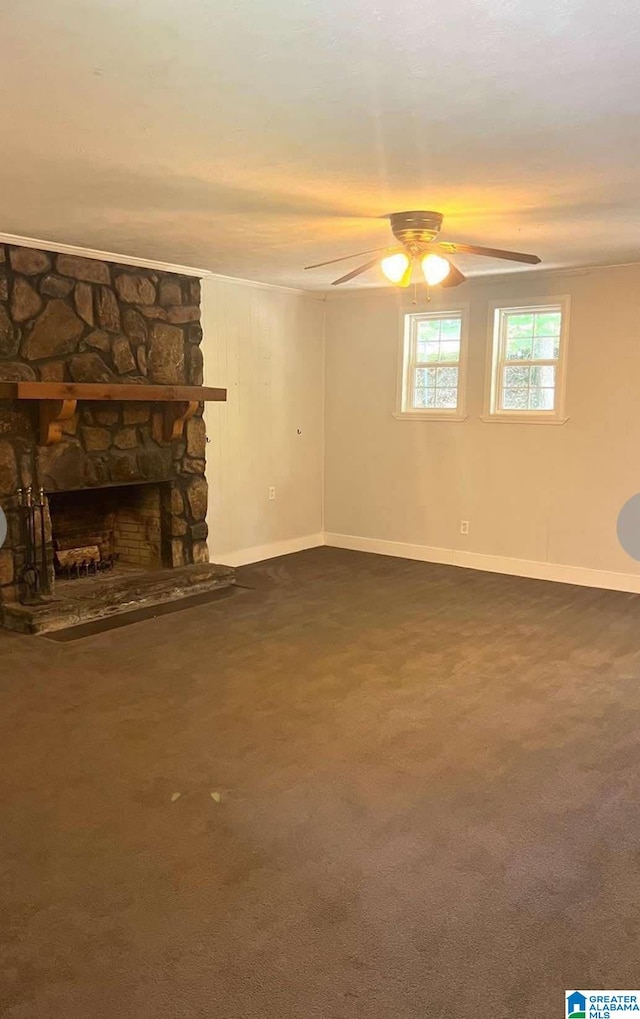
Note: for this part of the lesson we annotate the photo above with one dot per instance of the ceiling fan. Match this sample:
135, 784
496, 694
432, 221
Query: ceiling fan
417, 232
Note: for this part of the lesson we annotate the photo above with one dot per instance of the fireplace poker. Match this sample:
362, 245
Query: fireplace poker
30, 574
45, 579
31, 517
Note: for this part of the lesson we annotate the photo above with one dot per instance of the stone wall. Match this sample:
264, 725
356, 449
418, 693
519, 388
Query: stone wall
67, 318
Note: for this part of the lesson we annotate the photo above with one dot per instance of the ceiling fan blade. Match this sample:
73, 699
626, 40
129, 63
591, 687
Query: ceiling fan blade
475, 249
455, 277
355, 272
344, 258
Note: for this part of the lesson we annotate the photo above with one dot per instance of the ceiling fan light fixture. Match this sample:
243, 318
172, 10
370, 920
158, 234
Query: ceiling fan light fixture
416, 234
397, 269
435, 269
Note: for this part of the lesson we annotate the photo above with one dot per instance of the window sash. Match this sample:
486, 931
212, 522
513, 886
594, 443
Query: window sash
413, 365
501, 361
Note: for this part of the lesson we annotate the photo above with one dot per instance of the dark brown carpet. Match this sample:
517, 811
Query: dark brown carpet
429, 784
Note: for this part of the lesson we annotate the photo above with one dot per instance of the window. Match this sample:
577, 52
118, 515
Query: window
432, 366
529, 354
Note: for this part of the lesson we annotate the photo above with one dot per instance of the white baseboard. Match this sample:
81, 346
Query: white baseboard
558, 572
256, 554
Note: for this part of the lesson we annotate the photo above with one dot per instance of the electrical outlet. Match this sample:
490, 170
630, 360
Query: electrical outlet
272, 493
464, 527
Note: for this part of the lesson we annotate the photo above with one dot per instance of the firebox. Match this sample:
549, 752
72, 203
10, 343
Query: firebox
96, 529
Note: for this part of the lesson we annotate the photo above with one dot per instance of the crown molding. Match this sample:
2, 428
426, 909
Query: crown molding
319, 295
102, 256
150, 263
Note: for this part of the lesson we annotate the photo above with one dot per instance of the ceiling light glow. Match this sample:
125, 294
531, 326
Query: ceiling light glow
397, 269
435, 269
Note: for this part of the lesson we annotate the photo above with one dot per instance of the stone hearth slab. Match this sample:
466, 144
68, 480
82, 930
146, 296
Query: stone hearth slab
92, 598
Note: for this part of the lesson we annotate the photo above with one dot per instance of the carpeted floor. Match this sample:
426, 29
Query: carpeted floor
429, 801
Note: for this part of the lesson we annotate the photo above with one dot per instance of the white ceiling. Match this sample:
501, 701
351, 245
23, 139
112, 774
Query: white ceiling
251, 137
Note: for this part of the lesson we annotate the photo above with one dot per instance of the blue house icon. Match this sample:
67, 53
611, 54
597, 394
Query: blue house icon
576, 1006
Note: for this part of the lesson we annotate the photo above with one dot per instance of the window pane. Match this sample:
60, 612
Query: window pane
435, 350
548, 323
425, 378
515, 378
450, 328
524, 338
515, 399
446, 377
447, 398
429, 329
545, 376
519, 349
424, 398
450, 350
428, 351
541, 399
546, 347
519, 326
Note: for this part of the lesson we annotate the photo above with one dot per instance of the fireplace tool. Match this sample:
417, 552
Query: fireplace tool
34, 573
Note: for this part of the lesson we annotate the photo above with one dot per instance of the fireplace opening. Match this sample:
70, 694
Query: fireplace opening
95, 530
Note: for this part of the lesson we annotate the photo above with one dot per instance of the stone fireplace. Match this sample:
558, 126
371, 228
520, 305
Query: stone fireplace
117, 474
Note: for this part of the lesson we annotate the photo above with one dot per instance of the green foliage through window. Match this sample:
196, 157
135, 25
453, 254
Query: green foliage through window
435, 362
529, 352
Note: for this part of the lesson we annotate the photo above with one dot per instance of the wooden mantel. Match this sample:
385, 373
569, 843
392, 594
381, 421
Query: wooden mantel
58, 400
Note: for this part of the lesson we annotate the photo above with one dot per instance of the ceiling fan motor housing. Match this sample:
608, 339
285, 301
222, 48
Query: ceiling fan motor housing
415, 228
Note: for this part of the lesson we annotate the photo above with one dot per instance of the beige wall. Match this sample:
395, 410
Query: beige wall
542, 493
266, 346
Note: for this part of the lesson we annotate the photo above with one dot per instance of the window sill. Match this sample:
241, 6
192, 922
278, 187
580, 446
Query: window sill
522, 419
429, 415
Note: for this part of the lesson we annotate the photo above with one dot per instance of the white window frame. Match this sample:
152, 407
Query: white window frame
496, 361
406, 365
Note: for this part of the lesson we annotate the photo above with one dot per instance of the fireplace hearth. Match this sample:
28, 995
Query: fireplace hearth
126, 588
